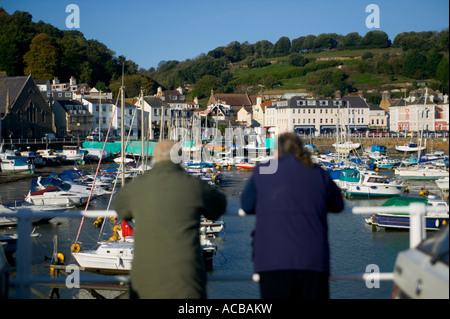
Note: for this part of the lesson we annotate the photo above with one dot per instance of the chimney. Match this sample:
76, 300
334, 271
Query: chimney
7, 101
361, 94
445, 99
337, 95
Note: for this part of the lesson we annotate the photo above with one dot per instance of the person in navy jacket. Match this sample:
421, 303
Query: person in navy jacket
290, 241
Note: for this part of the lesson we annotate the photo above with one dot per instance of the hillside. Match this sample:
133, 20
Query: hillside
319, 65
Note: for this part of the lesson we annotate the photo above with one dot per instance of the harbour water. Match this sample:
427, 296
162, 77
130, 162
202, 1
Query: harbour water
354, 245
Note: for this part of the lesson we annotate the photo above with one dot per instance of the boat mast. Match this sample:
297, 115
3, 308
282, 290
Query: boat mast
142, 130
122, 129
421, 131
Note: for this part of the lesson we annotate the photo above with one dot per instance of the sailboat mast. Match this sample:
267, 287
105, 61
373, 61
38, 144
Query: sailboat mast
142, 129
122, 128
423, 119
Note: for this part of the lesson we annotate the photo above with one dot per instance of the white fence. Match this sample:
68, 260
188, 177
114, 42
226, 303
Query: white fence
23, 280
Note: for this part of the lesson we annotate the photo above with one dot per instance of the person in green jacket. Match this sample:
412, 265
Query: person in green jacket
166, 204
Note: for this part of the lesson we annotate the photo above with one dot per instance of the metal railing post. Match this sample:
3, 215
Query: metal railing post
416, 224
24, 254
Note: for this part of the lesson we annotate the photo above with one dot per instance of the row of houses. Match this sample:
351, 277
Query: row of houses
304, 115
31, 108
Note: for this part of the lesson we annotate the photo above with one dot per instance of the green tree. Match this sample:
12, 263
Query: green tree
263, 48
42, 59
233, 51
282, 47
297, 44
204, 86
296, 59
375, 39
414, 64
9, 54
85, 72
133, 84
270, 81
72, 46
351, 41
433, 59
442, 71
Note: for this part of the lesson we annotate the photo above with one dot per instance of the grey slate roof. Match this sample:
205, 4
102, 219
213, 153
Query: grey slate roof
12, 86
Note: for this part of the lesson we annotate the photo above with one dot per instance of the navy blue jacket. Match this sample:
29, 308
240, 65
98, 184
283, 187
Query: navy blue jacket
291, 208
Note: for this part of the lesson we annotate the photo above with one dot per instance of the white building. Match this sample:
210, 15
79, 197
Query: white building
414, 115
105, 112
321, 115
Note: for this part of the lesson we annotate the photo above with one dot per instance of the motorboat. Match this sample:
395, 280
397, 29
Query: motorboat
211, 227
72, 154
95, 154
443, 184
49, 191
420, 172
356, 182
410, 147
16, 165
245, 165
113, 257
433, 219
50, 156
421, 272
387, 162
116, 256
346, 147
14, 207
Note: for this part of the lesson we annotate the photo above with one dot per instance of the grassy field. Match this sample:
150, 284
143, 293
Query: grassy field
360, 81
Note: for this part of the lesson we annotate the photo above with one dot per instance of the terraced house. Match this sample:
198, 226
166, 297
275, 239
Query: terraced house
415, 114
318, 116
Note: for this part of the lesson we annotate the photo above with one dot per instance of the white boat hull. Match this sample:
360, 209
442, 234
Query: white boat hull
420, 172
10, 166
110, 257
57, 199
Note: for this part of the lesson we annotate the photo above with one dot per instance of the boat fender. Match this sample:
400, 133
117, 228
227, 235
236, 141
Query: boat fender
98, 222
113, 238
75, 248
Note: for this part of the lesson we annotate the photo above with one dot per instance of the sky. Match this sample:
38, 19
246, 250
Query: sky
148, 31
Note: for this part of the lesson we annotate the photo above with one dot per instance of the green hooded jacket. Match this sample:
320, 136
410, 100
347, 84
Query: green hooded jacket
166, 204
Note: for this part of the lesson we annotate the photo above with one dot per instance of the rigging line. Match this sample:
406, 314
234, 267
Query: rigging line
117, 175
98, 167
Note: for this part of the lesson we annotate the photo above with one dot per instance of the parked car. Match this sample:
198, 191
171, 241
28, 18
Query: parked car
49, 137
422, 272
95, 137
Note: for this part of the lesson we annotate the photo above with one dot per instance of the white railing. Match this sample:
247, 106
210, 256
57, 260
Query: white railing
23, 279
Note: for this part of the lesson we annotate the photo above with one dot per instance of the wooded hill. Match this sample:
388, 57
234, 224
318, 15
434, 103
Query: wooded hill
318, 64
